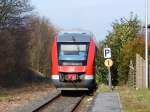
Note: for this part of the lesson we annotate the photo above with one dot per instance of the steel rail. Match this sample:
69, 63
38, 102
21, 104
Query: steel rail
76, 107
47, 103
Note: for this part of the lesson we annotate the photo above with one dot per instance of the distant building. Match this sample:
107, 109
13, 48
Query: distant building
142, 31
149, 26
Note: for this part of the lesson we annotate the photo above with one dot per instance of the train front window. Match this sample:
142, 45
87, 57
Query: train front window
72, 54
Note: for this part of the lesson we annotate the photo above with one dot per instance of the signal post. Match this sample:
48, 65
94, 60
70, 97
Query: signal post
108, 63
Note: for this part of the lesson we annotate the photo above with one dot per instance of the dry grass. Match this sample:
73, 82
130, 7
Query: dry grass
103, 88
13, 98
134, 100
3, 96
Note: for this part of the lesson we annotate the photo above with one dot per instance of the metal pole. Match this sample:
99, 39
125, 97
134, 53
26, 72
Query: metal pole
109, 79
146, 43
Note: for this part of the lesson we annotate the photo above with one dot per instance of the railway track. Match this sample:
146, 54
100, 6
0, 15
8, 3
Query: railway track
61, 104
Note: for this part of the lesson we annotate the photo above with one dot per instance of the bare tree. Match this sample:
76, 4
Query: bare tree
25, 40
13, 12
41, 33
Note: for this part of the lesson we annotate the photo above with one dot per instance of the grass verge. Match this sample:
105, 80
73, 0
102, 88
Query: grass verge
103, 88
134, 100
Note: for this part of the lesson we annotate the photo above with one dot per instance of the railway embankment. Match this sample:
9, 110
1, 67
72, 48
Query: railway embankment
14, 98
20, 89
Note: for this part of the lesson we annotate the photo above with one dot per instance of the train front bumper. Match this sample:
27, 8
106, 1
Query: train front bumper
86, 84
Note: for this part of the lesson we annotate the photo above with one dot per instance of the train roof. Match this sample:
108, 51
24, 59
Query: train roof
74, 36
74, 32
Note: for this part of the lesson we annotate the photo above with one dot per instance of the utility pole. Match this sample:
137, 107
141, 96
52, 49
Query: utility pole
146, 43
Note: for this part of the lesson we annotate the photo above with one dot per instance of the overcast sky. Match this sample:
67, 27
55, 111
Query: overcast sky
93, 15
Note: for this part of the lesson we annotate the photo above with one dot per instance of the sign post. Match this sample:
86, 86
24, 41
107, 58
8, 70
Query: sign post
108, 63
109, 79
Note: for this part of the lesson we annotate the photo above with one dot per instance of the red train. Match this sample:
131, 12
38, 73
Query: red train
73, 56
